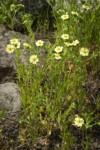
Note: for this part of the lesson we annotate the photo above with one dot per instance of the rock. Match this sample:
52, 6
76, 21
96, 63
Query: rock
40, 10
6, 60
7, 64
34, 5
95, 144
99, 145
10, 99
7, 75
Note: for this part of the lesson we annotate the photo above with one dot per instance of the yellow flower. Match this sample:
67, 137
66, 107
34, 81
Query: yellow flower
64, 17
49, 132
84, 51
59, 11
17, 45
41, 109
58, 49
67, 44
14, 41
85, 7
26, 45
57, 56
74, 13
12, 7
10, 48
33, 59
39, 43
65, 36
44, 122
78, 121
74, 43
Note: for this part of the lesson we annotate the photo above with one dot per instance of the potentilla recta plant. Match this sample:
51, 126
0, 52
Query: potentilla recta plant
52, 85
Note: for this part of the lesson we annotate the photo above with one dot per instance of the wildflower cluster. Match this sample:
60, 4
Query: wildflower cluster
74, 13
73, 43
14, 44
34, 58
58, 50
85, 7
53, 82
26, 45
67, 40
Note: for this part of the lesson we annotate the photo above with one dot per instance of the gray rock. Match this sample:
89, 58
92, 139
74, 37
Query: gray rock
7, 63
95, 144
10, 99
7, 60
34, 5
99, 145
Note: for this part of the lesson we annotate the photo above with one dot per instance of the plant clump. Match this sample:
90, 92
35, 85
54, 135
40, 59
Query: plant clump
53, 87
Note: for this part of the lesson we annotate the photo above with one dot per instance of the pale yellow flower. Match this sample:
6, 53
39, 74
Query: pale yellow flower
10, 48
84, 51
49, 132
33, 59
67, 44
78, 121
59, 11
58, 49
26, 45
57, 56
74, 13
65, 36
14, 41
12, 7
65, 17
39, 43
44, 122
17, 45
85, 7
74, 43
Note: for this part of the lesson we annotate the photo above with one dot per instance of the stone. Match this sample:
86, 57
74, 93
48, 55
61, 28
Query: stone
34, 5
95, 144
10, 99
40, 10
7, 60
7, 64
